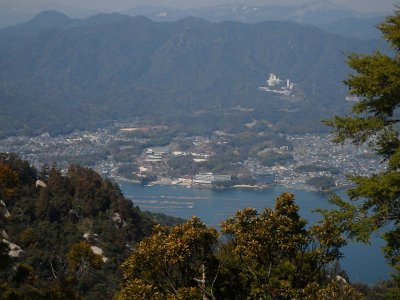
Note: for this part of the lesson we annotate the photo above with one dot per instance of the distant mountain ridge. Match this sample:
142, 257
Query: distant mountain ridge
44, 20
68, 73
323, 13
12, 13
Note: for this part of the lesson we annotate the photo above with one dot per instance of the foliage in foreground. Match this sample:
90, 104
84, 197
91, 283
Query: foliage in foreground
61, 225
271, 255
72, 231
375, 200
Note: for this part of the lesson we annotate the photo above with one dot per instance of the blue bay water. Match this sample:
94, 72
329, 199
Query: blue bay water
364, 263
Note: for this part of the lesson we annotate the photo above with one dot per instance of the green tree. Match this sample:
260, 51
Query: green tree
375, 200
271, 255
168, 264
81, 258
275, 255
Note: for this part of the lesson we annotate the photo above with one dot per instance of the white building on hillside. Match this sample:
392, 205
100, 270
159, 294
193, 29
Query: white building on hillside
273, 80
277, 86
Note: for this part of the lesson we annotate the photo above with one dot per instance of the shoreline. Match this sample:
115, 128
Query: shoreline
169, 182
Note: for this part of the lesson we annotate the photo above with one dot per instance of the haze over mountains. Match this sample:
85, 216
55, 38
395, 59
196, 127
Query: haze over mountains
323, 13
326, 14
75, 73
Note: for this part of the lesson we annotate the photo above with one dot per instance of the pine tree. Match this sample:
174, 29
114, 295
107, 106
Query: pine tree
374, 120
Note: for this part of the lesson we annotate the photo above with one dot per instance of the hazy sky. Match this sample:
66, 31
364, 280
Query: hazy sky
119, 5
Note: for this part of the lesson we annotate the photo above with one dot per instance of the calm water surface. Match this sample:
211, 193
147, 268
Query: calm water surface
364, 263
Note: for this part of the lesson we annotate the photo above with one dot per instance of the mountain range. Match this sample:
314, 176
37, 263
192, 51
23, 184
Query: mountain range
316, 12
75, 73
325, 14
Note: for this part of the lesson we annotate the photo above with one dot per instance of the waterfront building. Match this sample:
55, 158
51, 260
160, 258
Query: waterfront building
210, 178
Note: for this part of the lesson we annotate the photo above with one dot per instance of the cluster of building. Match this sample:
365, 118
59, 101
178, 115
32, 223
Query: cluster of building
156, 154
197, 157
210, 179
45, 149
345, 159
277, 86
307, 150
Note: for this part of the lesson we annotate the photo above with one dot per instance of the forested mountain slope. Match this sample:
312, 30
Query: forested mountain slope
56, 225
69, 73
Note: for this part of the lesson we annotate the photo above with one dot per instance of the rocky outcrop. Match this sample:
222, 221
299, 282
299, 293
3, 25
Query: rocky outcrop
99, 251
15, 250
40, 183
3, 210
118, 221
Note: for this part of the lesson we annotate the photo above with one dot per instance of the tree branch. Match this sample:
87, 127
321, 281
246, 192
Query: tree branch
52, 270
214, 280
391, 122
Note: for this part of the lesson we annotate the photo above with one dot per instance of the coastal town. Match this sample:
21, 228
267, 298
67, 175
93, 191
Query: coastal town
130, 152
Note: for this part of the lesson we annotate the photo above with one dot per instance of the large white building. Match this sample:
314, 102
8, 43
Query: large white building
273, 80
210, 178
277, 86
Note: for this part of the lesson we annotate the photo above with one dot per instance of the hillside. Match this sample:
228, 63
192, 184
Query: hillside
70, 73
51, 220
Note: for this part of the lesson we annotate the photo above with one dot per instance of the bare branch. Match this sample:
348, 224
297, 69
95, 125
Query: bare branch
214, 280
52, 270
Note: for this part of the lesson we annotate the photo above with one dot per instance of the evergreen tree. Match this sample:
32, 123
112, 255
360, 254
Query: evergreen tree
271, 255
170, 263
375, 200
275, 256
